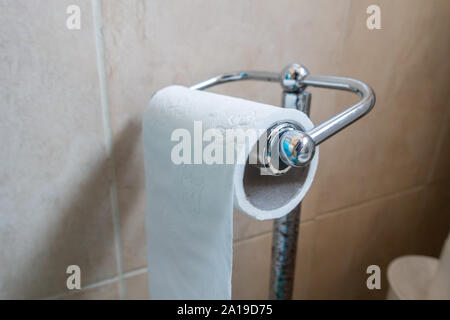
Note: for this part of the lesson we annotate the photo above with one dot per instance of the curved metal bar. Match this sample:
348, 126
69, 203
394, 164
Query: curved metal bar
327, 129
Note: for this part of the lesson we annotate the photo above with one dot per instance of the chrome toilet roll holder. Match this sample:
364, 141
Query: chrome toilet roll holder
295, 148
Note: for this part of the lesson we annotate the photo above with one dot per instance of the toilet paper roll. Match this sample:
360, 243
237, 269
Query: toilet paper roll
194, 177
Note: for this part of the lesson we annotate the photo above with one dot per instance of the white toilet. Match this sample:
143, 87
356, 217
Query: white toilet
420, 277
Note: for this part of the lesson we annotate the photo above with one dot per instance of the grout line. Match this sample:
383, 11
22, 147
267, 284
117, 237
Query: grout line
100, 283
369, 202
87, 287
136, 272
263, 233
307, 220
439, 145
319, 216
100, 52
256, 235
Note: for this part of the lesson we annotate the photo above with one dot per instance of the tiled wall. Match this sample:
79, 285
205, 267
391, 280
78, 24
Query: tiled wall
71, 174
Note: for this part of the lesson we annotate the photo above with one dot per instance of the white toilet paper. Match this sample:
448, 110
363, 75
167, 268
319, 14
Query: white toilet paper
190, 206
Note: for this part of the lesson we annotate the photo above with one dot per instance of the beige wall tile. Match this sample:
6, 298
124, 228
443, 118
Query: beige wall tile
348, 241
108, 291
132, 206
137, 287
310, 203
251, 268
441, 166
303, 263
54, 200
407, 65
245, 226
435, 219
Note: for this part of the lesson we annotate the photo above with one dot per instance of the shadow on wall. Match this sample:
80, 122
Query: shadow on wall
82, 233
